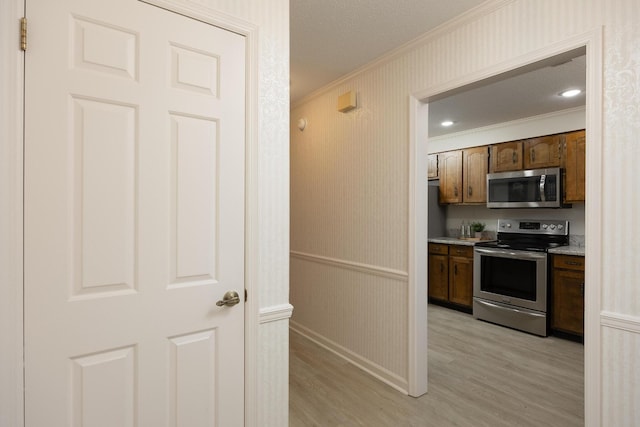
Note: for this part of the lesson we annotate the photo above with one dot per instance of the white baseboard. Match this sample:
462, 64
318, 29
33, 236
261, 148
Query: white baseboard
366, 365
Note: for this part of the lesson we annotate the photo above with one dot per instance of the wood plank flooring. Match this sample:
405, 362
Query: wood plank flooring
480, 374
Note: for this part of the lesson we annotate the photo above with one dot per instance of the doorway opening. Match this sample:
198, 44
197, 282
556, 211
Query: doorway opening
421, 144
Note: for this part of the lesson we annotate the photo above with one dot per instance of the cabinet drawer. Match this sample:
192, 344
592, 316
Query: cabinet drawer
438, 248
568, 262
461, 251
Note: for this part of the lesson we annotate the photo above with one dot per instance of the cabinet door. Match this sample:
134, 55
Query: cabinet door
432, 168
574, 164
542, 152
461, 281
438, 277
450, 168
568, 301
474, 174
506, 156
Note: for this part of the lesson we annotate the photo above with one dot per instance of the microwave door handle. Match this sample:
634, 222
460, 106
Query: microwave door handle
542, 193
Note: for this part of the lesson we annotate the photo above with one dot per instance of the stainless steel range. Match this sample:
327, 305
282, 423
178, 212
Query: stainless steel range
510, 274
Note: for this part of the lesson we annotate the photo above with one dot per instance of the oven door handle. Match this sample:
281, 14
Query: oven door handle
510, 308
511, 254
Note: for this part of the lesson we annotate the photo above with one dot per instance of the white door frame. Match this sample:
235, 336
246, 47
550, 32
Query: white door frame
418, 126
11, 208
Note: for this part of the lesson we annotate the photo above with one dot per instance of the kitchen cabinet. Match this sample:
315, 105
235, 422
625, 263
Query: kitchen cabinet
439, 271
463, 175
506, 156
543, 152
461, 275
432, 167
574, 162
474, 174
451, 274
450, 172
567, 311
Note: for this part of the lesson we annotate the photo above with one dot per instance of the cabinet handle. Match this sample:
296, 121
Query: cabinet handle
572, 263
455, 191
533, 155
470, 191
455, 269
514, 157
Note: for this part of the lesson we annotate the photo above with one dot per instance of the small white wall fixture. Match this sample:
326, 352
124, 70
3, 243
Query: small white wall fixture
347, 101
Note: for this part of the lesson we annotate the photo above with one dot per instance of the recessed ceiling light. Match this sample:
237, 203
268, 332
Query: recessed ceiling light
447, 123
571, 92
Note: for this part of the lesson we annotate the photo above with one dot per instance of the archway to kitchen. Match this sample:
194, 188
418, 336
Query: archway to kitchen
419, 107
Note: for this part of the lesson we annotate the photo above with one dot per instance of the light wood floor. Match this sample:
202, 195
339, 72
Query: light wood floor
479, 375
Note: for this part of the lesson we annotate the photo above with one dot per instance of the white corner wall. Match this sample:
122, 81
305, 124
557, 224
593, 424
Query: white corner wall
349, 187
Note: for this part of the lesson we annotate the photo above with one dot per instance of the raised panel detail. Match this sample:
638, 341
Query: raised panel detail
194, 70
105, 48
194, 199
104, 389
104, 183
193, 384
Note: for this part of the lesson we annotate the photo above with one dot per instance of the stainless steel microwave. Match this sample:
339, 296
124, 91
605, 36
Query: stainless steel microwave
533, 188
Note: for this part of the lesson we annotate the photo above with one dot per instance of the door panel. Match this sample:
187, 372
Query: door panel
134, 217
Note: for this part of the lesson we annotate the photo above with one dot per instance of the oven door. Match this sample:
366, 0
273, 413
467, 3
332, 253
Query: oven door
515, 278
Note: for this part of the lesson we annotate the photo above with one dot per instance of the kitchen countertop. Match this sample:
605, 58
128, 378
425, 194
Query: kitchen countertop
561, 250
454, 241
568, 250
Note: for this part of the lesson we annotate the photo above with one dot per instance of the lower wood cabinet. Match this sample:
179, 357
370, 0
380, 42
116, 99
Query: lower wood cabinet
451, 274
567, 310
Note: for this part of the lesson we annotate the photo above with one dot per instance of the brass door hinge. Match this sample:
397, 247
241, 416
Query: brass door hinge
23, 34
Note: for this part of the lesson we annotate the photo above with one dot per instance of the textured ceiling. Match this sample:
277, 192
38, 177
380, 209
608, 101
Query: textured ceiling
331, 38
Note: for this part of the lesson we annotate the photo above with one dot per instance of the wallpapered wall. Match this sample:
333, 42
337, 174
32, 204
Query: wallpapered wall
349, 185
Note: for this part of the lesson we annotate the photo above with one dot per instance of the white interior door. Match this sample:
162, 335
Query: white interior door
134, 217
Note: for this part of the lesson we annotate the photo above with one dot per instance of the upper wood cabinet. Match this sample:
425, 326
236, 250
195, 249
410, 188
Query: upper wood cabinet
543, 152
432, 168
463, 175
474, 174
506, 156
450, 171
574, 156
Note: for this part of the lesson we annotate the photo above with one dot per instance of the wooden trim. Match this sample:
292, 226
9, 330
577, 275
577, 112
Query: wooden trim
593, 231
11, 213
417, 349
355, 266
275, 313
619, 321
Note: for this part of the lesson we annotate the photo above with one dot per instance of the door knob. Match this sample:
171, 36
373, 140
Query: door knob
229, 299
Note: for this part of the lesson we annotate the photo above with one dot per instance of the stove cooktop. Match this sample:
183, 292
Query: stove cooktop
530, 235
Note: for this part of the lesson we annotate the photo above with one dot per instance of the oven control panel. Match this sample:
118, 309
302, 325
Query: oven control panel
533, 226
